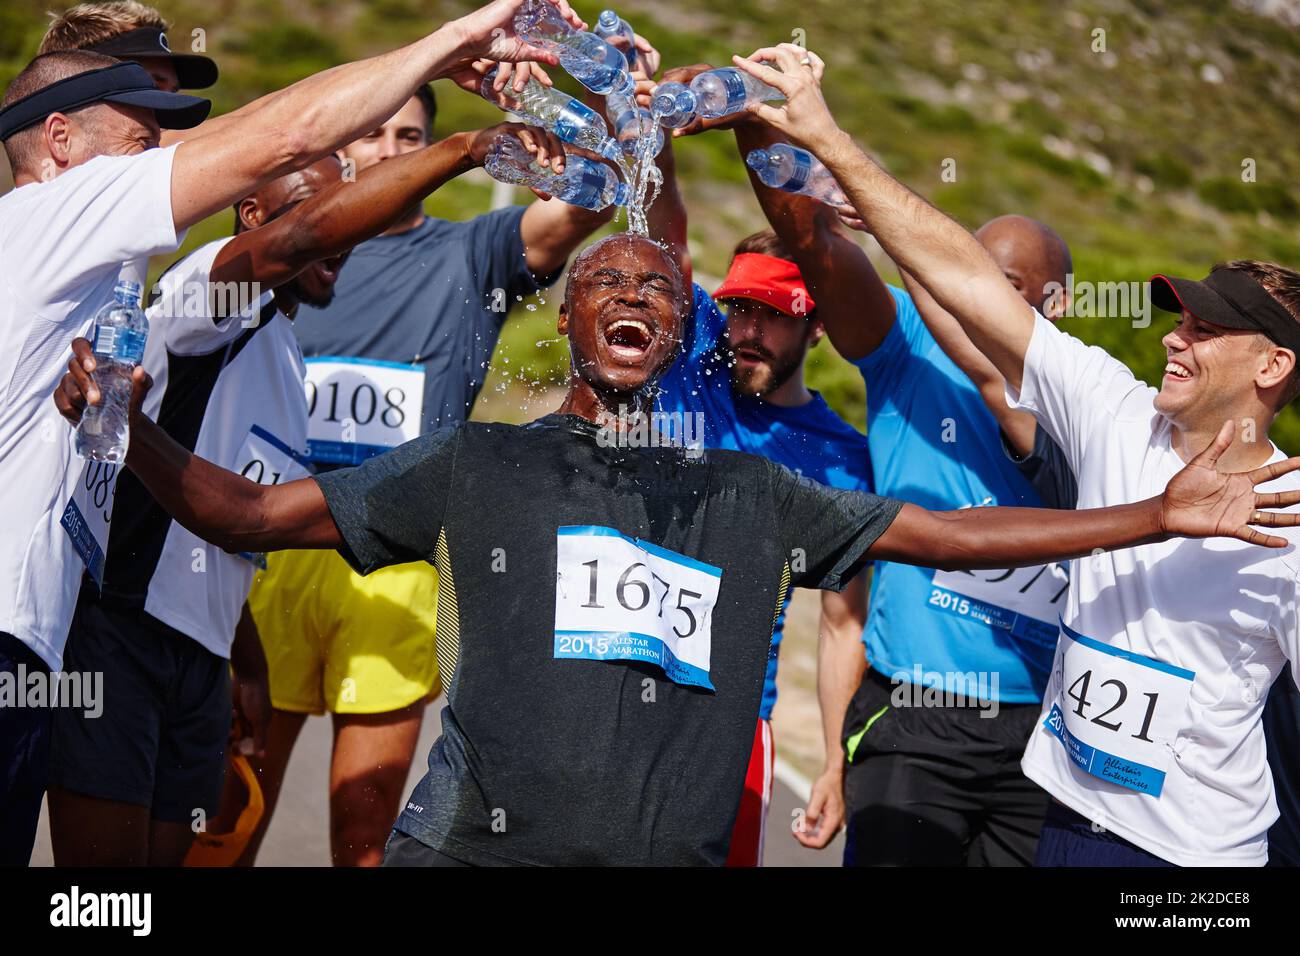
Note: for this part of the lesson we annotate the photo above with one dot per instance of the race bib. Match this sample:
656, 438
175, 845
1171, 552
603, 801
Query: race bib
267, 460
359, 408
1024, 601
623, 599
88, 513
1119, 712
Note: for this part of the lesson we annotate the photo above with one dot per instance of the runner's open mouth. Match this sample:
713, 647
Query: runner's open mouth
629, 336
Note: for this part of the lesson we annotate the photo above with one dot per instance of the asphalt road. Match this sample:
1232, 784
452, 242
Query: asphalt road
299, 835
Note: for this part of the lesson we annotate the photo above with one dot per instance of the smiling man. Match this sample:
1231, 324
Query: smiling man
607, 611
1150, 738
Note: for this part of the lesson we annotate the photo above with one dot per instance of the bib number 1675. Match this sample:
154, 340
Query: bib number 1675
621, 598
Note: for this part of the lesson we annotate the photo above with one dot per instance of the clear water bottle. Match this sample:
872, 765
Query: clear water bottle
631, 123
571, 120
591, 61
795, 170
584, 182
729, 90
118, 341
673, 104
609, 25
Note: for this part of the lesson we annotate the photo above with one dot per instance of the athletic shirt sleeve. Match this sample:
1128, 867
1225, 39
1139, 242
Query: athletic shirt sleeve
111, 209
182, 311
825, 532
390, 510
498, 259
891, 366
1046, 469
1073, 389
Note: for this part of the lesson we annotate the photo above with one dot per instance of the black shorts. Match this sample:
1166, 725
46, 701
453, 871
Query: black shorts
938, 786
160, 741
24, 755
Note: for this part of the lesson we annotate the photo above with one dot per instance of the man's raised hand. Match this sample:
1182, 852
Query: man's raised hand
804, 117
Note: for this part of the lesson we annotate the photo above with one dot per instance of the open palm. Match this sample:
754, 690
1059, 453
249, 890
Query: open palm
1203, 502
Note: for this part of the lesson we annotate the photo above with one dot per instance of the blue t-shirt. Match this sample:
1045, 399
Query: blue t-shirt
934, 443
810, 440
428, 297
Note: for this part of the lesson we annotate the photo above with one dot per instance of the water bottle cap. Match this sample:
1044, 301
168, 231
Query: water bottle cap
758, 158
608, 19
127, 292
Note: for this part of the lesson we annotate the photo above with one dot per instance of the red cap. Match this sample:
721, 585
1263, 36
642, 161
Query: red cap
769, 280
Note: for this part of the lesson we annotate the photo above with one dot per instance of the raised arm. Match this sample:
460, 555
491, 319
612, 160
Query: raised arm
346, 213
311, 118
852, 300
943, 256
1199, 502
1020, 427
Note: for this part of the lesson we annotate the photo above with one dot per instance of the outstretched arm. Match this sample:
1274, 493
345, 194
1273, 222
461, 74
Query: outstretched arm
1199, 502
346, 213
311, 118
1019, 426
217, 505
943, 256
852, 300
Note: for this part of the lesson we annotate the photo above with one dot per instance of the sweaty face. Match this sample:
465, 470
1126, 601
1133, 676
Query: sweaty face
405, 132
623, 313
315, 284
1209, 372
766, 346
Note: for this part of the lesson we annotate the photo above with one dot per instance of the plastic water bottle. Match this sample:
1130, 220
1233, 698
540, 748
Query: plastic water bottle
609, 25
118, 342
631, 122
591, 61
729, 90
673, 104
571, 120
584, 182
712, 95
796, 170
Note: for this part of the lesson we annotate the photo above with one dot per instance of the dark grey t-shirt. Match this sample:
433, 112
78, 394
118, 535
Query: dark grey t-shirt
547, 755
1047, 470
426, 297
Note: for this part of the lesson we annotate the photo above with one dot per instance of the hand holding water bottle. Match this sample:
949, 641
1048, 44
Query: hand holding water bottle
679, 79
543, 146
77, 389
804, 118
489, 33
513, 75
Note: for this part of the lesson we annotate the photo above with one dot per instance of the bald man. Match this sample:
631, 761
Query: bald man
957, 662
128, 785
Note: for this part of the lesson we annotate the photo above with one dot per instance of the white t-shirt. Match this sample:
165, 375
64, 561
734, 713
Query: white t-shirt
232, 392
1168, 649
63, 244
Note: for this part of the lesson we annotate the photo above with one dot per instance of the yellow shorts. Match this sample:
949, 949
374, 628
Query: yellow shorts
341, 642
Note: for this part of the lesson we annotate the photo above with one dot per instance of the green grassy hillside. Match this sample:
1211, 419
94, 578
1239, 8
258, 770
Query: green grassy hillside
1130, 141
